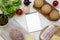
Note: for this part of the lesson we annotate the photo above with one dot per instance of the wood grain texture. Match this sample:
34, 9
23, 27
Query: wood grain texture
47, 16
57, 32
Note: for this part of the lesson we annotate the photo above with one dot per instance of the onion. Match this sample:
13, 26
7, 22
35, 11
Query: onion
27, 2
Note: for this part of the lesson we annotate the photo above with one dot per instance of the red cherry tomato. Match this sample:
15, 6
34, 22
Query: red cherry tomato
55, 3
19, 12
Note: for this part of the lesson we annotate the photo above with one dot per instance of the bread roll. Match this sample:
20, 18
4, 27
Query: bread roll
54, 15
46, 9
38, 3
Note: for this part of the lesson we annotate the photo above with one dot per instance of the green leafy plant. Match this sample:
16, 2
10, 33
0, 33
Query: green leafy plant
9, 7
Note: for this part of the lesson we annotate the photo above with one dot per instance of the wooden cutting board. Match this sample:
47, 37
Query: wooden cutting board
39, 10
56, 33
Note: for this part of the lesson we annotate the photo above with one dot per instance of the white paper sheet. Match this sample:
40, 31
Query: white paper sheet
33, 22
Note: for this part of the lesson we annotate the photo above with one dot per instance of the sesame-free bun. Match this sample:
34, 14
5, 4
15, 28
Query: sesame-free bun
38, 3
46, 9
54, 15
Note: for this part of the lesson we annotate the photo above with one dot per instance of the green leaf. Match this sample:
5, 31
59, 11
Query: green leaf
9, 7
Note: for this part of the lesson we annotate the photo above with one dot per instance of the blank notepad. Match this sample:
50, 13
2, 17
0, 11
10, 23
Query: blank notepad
33, 22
